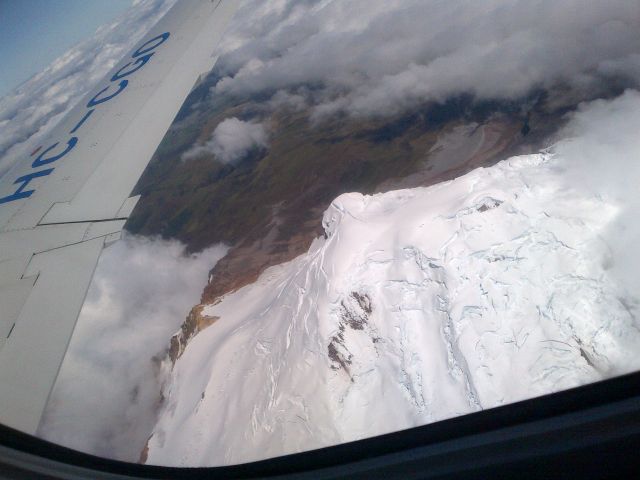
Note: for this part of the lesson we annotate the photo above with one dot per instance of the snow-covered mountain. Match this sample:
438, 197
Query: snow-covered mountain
417, 305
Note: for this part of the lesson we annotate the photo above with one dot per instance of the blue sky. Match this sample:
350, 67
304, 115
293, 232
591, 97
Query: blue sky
35, 32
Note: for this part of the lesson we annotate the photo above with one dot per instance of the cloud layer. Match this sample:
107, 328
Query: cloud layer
33, 108
363, 57
231, 140
104, 401
602, 147
377, 57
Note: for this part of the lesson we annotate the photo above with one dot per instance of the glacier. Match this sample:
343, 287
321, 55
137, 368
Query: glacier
415, 306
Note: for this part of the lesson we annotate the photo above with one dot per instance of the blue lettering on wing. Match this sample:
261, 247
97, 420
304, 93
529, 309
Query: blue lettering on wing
40, 161
140, 61
82, 120
97, 101
24, 181
141, 55
155, 42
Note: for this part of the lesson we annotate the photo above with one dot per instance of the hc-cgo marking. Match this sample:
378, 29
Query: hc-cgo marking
142, 55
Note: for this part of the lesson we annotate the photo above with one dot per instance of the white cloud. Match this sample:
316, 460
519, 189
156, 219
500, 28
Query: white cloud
292, 101
231, 140
104, 401
378, 56
601, 153
33, 108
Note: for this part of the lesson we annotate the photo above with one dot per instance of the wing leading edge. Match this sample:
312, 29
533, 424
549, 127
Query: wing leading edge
61, 206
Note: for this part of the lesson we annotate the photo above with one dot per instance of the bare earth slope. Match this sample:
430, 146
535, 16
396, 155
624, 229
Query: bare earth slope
268, 206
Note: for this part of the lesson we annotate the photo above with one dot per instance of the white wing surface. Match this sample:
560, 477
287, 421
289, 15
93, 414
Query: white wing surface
63, 204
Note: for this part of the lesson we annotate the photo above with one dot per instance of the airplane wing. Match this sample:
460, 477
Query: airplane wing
63, 204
